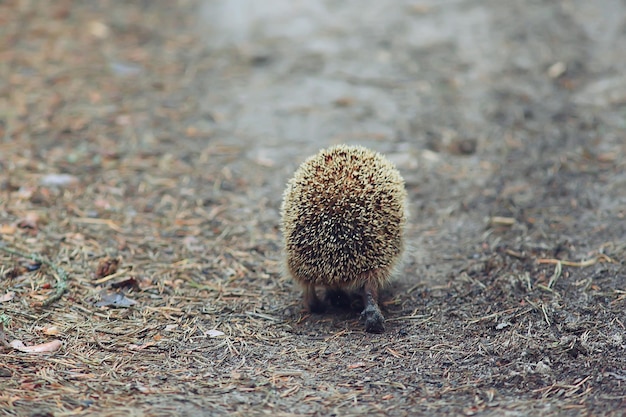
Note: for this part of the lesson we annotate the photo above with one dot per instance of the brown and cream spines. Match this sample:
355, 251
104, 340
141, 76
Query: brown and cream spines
343, 220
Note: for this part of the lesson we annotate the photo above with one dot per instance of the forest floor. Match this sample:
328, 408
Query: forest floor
144, 148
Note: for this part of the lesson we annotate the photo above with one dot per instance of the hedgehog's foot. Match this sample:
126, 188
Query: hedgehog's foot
338, 298
312, 302
374, 320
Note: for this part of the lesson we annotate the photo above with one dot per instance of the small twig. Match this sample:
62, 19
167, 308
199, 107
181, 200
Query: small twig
572, 388
515, 254
422, 317
542, 309
545, 288
60, 276
555, 275
599, 258
263, 316
545, 314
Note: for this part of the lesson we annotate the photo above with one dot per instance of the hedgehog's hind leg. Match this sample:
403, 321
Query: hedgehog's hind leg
312, 302
339, 298
374, 320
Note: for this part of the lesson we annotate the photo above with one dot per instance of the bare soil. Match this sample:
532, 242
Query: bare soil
176, 129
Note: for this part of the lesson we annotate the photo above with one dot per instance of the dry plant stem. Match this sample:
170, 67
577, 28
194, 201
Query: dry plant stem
61, 275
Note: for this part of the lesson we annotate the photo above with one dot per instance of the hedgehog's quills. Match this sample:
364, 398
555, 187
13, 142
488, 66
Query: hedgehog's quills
343, 218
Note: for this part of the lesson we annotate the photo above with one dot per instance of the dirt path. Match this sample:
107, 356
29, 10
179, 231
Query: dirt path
176, 128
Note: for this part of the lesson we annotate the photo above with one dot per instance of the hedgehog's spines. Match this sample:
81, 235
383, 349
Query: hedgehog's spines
344, 214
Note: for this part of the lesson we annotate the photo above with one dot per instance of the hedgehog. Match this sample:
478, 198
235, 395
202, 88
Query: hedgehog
343, 221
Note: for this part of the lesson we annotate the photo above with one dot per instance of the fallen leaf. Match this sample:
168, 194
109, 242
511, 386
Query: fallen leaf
57, 180
356, 365
214, 333
125, 69
107, 266
7, 229
33, 266
102, 203
503, 324
502, 221
25, 193
193, 244
116, 299
141, 347
344, 101
29, 221
42, 348
7, 297
141, 388
50, 331
98, 29
123, 120
557, 69
130, 282
15, 272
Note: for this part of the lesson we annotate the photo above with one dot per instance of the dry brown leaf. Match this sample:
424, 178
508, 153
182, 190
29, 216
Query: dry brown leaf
7, 229
29, 221
41, 348
50, 330
130, 282
107, 266
7, 297
15, 272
